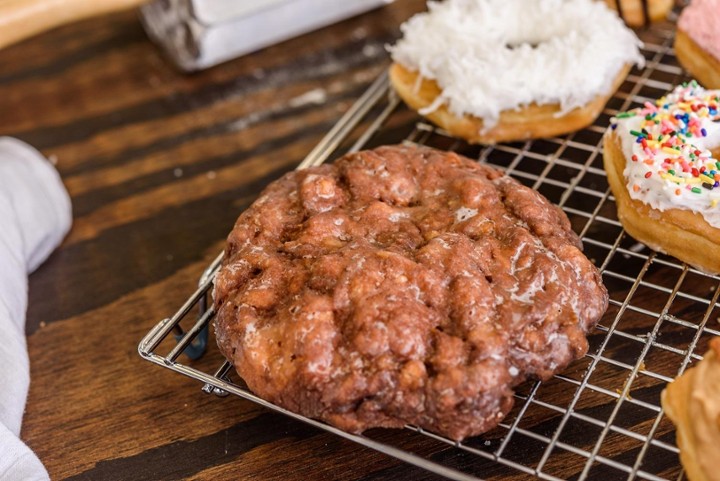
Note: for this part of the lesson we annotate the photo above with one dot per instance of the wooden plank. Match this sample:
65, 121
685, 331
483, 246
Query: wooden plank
159, 165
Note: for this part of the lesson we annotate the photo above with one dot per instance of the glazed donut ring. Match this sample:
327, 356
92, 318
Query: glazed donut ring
697, 41
637, 13
487, 74
665, 205
692, 402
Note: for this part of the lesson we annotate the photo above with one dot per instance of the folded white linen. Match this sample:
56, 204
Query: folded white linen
35, 215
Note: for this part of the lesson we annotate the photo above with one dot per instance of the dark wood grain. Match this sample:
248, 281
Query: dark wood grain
159, 165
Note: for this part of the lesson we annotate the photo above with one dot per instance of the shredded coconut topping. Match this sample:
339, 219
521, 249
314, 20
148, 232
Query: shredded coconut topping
488, 56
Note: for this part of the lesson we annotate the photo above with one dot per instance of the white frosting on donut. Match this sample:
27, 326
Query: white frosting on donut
488, 56
673, 168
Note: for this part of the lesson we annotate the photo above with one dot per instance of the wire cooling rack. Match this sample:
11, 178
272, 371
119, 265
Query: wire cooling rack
601, 419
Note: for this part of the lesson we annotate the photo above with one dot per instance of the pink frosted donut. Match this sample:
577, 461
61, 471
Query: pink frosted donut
697, 43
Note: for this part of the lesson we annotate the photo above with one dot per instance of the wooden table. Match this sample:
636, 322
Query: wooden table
159, 164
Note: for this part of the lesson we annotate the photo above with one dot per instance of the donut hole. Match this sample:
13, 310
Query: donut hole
522, 40
533, 36
516, 46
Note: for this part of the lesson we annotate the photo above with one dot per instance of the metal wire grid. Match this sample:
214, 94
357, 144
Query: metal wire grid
611, 397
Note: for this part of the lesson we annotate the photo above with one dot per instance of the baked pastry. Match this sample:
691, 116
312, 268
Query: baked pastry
637, 13
402, 285
665, 177
697, 41
486, 74
692, 402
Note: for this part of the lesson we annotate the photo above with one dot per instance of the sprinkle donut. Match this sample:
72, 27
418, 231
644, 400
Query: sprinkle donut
486, 73
663, 168
697, 41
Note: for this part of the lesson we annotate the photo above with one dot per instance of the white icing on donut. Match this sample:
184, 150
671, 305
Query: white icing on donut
674, 171
488, 56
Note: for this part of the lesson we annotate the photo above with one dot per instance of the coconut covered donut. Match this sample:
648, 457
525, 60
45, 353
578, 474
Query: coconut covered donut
697, 41
486, 73
665, 177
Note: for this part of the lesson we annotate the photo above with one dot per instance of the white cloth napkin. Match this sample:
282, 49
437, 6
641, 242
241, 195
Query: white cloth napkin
35, 215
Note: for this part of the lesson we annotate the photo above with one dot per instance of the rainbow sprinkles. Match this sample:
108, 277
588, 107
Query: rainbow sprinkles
668, 146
